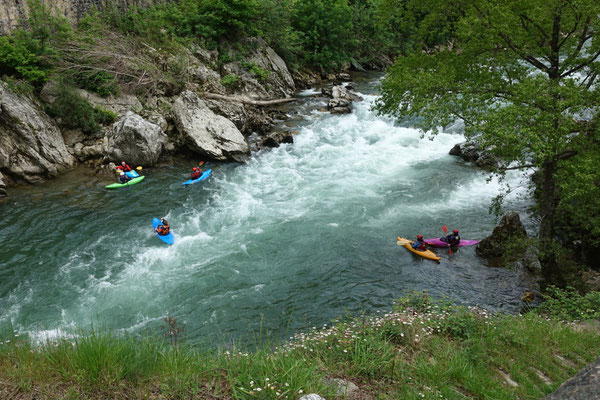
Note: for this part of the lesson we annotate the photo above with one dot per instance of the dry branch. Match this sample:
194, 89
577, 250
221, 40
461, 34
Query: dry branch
246, 100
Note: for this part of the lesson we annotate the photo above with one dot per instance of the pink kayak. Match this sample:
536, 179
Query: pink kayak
438, 243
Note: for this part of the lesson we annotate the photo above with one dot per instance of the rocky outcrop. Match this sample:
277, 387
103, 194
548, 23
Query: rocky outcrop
135, 140
276, 138
262, 74
585, 385
32, 148
341, 99
13, 11
3, 191
471, 152
509, 230
205, 132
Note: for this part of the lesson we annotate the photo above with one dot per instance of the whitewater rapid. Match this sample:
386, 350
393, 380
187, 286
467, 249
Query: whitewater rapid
299, 235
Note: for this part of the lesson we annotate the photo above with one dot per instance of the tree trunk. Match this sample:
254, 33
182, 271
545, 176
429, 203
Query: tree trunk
548, 203
246, 100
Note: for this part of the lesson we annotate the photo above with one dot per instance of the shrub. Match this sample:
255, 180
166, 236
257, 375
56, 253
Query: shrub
230, 81
569, 305
100, 82
74, 112
21, 57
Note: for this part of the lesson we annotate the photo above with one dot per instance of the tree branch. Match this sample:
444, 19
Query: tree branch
567, 154
246, 100
582, 65
517, 167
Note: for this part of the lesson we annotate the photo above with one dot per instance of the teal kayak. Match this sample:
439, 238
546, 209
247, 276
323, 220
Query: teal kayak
131, 182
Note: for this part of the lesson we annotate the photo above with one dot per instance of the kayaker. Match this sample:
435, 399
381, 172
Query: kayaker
452, 239
164, 228
196, 173
123, 178
124, 167
419, 244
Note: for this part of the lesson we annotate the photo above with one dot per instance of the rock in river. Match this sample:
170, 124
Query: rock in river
509, 229
135, 140
205, 132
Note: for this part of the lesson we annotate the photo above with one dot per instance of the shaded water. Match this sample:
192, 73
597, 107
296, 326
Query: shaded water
298, 236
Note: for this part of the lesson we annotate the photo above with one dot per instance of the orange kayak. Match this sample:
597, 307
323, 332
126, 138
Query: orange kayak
423, 253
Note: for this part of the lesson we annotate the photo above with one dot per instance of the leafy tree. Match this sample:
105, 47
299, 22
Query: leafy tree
522, 75
325, 29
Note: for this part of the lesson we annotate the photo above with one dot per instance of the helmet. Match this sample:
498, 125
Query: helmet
122, 162
195, 169
455, 231
164, 221
419, 237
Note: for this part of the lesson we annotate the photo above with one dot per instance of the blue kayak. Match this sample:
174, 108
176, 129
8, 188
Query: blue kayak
204, 175
132, 174
168, 239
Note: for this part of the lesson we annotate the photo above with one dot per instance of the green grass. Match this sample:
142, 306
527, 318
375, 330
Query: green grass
421, 350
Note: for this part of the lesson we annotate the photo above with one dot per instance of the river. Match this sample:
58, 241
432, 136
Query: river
298, 236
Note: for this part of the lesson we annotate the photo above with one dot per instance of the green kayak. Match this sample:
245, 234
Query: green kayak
131, 182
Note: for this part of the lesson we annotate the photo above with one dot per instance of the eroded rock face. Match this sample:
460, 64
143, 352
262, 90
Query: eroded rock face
3, 191
583, 386
134, 140
509, 229
263, 75
205, 132
32, 148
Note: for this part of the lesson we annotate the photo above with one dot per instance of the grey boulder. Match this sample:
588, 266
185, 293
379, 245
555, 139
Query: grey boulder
32, 148
135, 140
205, 132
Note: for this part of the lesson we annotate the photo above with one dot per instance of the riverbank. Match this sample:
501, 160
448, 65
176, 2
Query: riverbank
421, 349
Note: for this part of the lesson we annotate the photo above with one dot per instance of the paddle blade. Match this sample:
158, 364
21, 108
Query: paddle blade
449, 250
201, 163
139, 168
402, 242
445, 228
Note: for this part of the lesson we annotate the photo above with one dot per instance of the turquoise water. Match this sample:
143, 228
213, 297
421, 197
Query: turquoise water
296, 237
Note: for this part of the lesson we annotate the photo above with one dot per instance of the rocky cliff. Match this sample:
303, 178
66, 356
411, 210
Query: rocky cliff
13, 11
205, 118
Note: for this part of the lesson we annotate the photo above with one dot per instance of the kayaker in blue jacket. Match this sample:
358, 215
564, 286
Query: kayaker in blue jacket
123, 178
419, 244
453, 239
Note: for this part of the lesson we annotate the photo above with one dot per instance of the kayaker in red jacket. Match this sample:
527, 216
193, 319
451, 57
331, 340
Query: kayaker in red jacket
197, 172
124, 167
419, 244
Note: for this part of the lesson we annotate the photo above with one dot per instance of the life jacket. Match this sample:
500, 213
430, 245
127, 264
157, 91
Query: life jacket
163, 229
419, 245
197, 174
125, 168
453, 239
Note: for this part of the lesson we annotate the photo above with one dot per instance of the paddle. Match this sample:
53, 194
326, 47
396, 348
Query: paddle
445, 229
402, 242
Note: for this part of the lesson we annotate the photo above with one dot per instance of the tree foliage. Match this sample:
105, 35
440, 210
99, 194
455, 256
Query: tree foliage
521, 74
325, 30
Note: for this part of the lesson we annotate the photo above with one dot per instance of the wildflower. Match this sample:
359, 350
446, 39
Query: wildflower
300, 391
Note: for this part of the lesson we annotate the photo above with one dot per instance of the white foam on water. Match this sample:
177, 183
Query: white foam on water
360, 170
